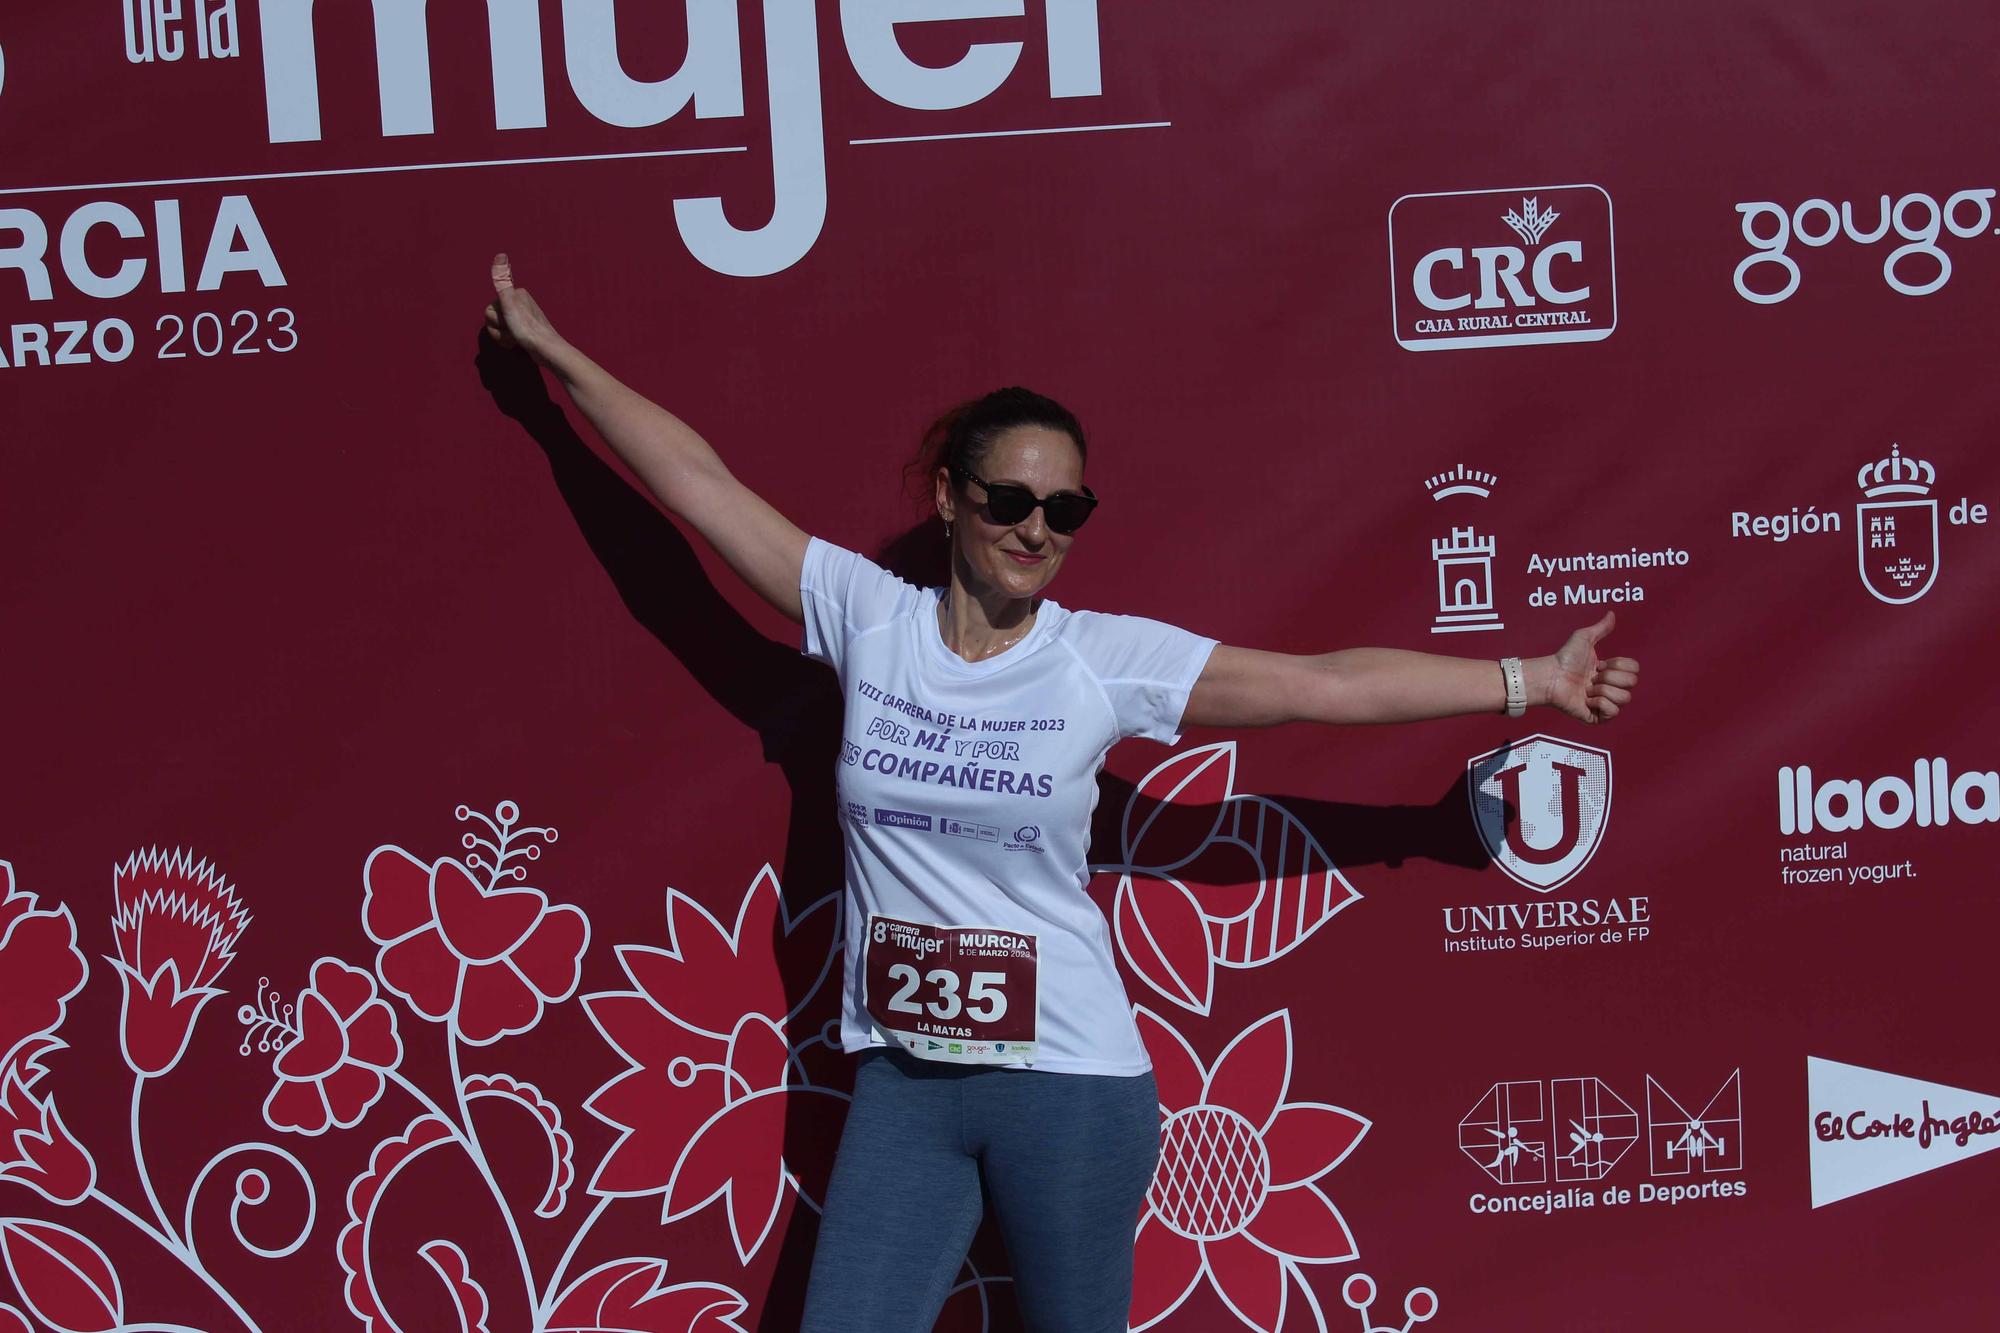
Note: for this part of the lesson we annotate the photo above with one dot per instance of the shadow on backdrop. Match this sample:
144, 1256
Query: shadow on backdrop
793, 704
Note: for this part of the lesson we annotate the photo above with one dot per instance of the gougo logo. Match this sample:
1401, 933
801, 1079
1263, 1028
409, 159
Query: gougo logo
1917, 267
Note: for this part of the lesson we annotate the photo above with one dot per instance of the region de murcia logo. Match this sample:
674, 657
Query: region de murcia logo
1540, 806
1897, 538
1457, 280
1896, 525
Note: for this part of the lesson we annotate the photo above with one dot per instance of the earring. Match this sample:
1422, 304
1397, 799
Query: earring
947, 532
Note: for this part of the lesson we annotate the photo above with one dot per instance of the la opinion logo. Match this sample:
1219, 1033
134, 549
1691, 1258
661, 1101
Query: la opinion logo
710, 78
1540, 806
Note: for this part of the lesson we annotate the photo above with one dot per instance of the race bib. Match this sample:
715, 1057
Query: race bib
957, 993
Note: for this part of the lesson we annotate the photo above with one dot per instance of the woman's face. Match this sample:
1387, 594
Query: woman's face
1019, 559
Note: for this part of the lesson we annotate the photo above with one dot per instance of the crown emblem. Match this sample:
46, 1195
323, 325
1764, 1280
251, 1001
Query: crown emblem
1531, 223
1896, 475
1461, 480
1419, 1307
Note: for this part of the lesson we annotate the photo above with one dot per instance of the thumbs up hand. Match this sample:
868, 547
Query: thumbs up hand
515, 319
1583, 685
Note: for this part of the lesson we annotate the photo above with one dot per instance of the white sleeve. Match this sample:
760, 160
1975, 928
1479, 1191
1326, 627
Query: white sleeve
1147, 668
845, 595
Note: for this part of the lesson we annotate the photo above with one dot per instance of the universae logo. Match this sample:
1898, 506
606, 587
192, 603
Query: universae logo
1501, 268
1540, 806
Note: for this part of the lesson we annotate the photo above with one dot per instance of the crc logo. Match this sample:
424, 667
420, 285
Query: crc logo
1499, 268
1540, 806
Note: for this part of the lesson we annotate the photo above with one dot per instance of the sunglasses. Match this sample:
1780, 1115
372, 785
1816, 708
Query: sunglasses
1006, 503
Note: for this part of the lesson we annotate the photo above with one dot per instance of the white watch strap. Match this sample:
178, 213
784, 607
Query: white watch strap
1517, 686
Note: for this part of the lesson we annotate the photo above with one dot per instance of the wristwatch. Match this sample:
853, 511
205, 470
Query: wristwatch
1517, 686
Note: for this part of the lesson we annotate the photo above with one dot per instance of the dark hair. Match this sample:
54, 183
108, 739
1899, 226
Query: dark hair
962, 437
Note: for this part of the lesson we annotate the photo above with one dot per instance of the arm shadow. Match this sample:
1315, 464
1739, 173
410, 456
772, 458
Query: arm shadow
1351, 833
791, 702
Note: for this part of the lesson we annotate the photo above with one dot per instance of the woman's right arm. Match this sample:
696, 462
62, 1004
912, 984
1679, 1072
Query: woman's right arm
766, 549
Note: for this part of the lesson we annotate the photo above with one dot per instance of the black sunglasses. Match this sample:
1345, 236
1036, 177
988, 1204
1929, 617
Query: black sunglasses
1006, 503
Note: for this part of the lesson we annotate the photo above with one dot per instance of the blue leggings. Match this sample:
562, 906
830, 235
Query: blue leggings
1066, 1160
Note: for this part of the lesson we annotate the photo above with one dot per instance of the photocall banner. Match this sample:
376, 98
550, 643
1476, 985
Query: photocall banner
421, 864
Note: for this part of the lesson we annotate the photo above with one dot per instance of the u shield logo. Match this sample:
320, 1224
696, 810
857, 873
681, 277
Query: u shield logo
1540, 806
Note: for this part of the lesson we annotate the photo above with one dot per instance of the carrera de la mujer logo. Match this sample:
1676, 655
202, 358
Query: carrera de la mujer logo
566, 62
1499, 268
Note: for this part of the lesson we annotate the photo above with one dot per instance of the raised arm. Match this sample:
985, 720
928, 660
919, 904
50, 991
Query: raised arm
766, 549
1246, 687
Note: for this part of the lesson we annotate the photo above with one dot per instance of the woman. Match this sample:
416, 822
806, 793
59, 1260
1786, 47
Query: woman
1000, 1061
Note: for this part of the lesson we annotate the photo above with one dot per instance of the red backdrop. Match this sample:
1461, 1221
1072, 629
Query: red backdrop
1442, 327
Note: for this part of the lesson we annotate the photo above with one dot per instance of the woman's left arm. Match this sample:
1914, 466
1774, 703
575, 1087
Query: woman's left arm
1247, 687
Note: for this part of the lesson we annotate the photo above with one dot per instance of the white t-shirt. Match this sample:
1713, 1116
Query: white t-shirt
966, 790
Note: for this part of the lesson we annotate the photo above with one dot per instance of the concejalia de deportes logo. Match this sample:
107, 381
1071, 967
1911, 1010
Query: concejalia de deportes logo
1564, 1138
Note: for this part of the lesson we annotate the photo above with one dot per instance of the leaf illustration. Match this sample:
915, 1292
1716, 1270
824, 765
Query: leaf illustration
1301, 889
1177, 807
546, 1119
1165, 939
630, 1296
467, 1296
65, 1279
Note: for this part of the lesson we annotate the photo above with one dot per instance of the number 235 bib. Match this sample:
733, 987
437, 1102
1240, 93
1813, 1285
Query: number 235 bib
955, 993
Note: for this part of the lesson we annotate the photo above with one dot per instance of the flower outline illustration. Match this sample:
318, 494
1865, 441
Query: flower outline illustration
484, 959
1235, 1199
332, 1071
